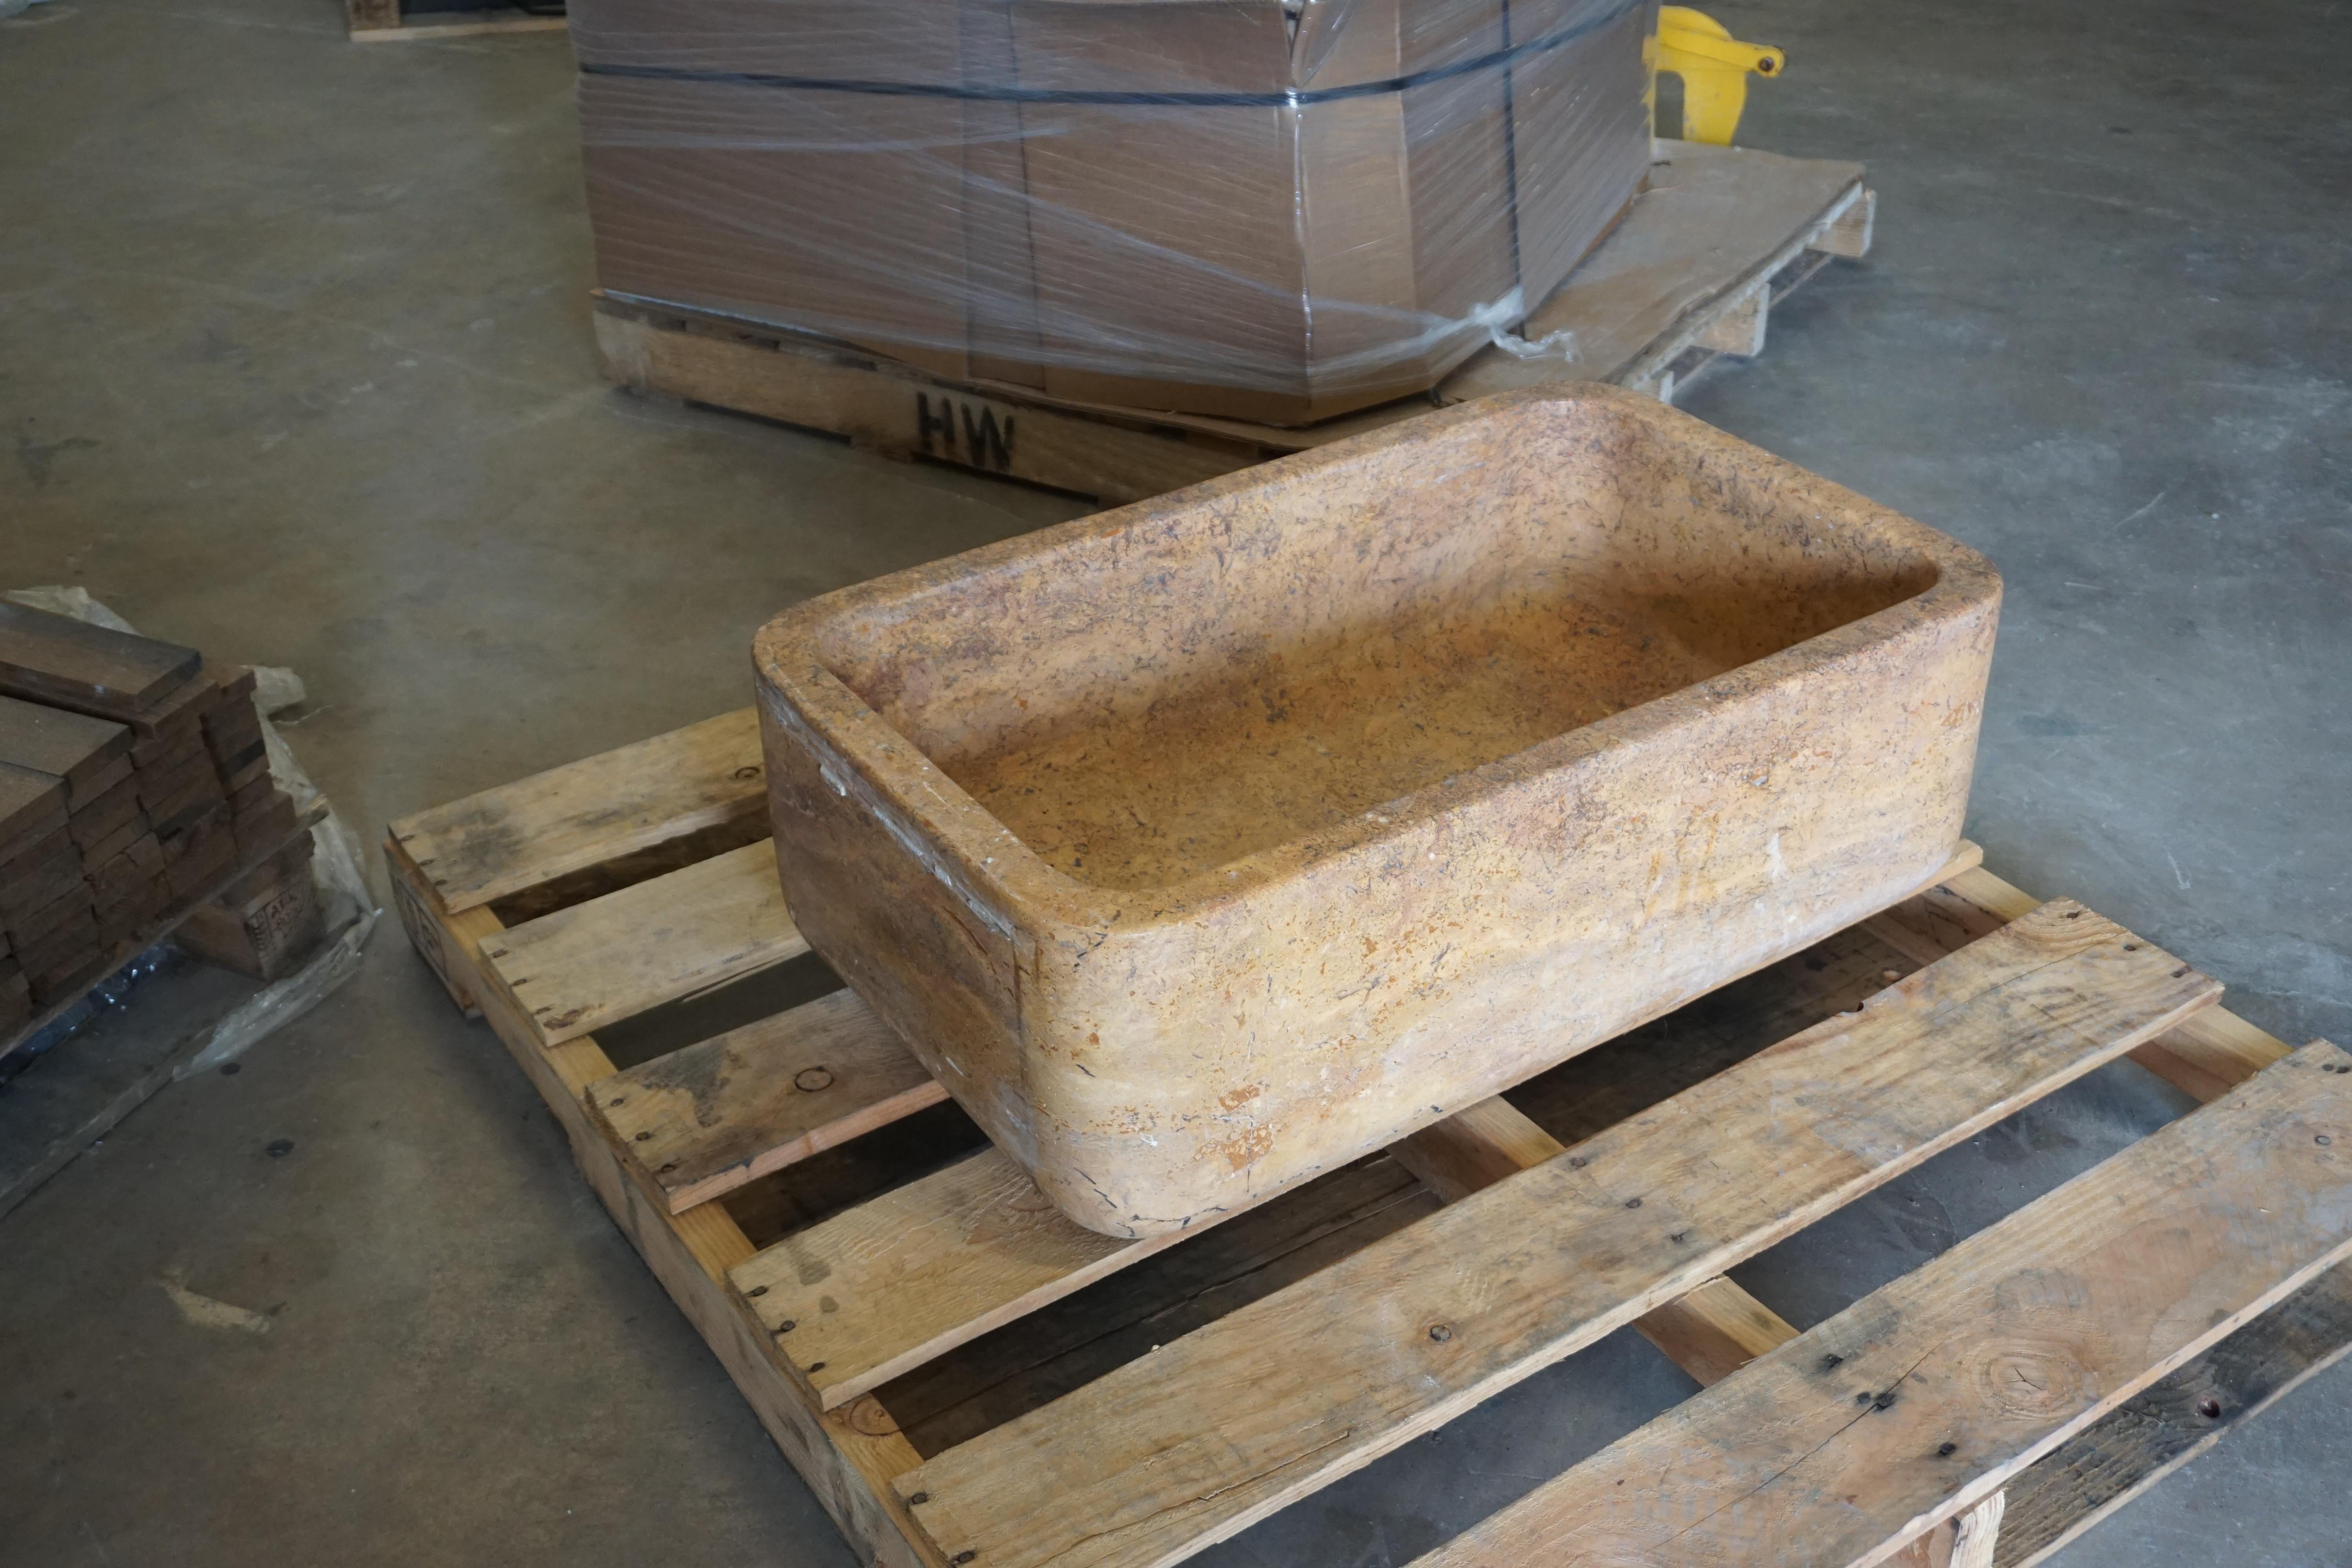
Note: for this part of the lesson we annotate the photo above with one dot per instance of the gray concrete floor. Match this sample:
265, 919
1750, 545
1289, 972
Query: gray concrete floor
294, 366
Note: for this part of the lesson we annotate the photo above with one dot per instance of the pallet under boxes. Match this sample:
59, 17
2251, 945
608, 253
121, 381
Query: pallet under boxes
965, 1377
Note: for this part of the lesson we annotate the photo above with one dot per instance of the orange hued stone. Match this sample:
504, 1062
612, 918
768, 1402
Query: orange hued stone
1201, 846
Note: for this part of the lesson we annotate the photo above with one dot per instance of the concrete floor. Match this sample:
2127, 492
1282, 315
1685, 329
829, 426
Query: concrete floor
294, 366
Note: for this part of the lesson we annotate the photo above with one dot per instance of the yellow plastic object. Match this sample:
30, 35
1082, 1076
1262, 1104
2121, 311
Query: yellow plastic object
1715, 67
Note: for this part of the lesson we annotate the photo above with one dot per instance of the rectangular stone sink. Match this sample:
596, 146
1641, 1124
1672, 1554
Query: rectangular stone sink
1203, 845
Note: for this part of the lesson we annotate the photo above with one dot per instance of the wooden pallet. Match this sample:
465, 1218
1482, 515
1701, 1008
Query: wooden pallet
381, 21
1689, 277
963, 1376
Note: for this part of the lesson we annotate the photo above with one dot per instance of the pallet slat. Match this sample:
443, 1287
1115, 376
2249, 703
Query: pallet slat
2206, 1055
2165, 1425
615, 957
1204, 1436
1710, 1333
704, 1121
920, 1269
1925, 1396
520, 836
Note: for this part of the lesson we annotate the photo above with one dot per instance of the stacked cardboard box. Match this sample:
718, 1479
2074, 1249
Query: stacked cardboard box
1253, 208
134, 784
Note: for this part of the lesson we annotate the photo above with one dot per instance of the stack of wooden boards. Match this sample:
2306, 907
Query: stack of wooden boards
133, 782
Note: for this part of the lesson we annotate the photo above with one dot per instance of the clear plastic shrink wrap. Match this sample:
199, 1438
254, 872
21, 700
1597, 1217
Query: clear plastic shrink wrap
1239, 207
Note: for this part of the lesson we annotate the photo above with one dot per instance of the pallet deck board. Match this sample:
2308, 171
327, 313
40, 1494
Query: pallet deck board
1926, 1396
576, 969
48, 658
706, 1120
1046, 1359
2172, 1422
537, 829
1710, 1332
917, 1271
1295, 1391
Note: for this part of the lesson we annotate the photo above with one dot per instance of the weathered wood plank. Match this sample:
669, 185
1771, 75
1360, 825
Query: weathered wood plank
501, 841
1209, 1434
613, 957
50, 657
1710, 1333
1715, 1330
1472, 1150
75, 747
1927, 1396
1067, 1345
920, 1269
706, 1120
2164, 1426
2206, 1057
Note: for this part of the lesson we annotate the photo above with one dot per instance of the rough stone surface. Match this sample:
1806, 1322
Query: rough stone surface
2102, 338
1204, 846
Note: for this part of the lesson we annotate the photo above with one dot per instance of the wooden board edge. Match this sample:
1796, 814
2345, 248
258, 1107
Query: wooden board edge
437, 936
2205, 1057
2203, 1371
1651, 371
832, 1135
473, 25
700, 884
554, 867
848, 1468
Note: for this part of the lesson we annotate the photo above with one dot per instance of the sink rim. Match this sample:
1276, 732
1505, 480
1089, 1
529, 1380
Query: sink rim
992, 870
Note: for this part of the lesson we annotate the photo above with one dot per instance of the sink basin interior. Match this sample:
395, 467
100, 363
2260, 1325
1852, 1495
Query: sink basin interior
1147, 703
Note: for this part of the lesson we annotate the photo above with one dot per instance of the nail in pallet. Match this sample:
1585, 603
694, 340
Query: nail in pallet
963, 1376
133, 785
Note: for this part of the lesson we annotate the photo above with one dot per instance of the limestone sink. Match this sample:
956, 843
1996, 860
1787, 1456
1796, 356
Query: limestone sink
1203, 845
